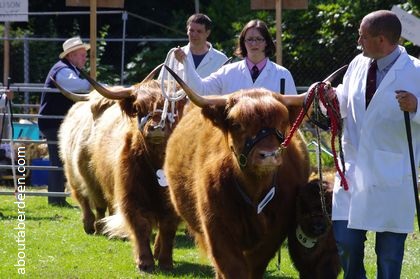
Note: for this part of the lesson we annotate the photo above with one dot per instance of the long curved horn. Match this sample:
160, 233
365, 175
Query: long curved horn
152, 74
70, 95
113, 94
335, 74
194, 97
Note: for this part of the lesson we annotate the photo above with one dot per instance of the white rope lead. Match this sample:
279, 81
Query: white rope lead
169, 92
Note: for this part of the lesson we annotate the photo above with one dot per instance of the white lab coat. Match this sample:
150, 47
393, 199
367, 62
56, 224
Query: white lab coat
236, 76
213, 60
378, 171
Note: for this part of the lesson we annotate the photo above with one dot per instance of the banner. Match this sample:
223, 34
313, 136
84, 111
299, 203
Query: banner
13, 10
410, 25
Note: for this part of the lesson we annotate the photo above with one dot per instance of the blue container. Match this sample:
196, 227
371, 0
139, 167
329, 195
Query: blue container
25, 131
39, 177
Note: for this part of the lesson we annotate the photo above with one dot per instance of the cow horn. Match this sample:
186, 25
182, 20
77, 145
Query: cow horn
194, 97
152, 73
114, 94
70, 95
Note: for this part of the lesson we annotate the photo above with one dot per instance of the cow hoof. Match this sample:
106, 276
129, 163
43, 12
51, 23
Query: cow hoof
89, 229
146, 268
166, 267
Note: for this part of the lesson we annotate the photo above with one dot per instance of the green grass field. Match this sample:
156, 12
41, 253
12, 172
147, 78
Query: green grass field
55, 246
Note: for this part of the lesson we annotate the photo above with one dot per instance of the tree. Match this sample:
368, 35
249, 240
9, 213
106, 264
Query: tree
315, 41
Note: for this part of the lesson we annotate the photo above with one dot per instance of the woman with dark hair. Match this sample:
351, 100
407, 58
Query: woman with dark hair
255, 46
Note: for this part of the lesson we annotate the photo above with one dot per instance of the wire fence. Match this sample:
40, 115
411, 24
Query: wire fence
26, 114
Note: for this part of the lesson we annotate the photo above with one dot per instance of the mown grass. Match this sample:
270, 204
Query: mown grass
57, 247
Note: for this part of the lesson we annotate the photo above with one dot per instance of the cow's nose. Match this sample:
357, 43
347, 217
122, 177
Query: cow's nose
319, 228
157, 127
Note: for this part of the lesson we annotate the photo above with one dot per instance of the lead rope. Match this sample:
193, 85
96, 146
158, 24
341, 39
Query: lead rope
321, 179
333, 112
317, 91
168, 87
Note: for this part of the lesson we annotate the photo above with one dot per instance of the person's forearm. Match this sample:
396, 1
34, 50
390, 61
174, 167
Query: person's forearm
295, 100
70, 81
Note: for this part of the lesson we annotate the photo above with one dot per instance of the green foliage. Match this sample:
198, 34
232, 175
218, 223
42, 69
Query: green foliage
315, 41
106, 73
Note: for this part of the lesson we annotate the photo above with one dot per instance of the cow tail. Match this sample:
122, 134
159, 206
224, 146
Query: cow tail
114, 226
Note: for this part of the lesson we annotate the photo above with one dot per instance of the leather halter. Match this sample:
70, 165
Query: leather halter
265, 200
251, 142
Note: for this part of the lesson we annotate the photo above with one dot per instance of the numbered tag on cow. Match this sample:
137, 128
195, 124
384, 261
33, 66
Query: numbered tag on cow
161, 178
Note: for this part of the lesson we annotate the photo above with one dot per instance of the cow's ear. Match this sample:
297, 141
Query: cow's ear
293, 104
97, 108
216, 114
128, 107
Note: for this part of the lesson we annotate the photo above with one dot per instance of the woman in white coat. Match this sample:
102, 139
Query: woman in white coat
256, 70
380, 196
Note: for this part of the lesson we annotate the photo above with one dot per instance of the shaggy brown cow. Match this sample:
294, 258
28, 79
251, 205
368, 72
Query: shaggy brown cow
75, 146
312, 245
130, 155
231, 180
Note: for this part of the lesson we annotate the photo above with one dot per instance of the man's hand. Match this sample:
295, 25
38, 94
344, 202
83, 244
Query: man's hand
406, 100
9, 94
179, 55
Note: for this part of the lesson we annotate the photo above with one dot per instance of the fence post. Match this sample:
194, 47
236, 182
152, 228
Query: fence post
124, 18
26, 69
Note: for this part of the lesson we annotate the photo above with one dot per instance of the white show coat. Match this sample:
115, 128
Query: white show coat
236, 76
378, 171
211, 62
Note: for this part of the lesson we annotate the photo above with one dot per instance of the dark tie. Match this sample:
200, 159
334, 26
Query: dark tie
254, 73
371, 82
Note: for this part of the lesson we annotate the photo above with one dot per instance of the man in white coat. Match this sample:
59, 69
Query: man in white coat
380, 196
199, 51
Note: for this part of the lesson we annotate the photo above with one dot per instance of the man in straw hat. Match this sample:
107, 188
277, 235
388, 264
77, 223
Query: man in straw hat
65, 72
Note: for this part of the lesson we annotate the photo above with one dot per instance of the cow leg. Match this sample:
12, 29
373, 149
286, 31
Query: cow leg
140, 231
88, 217
164, 242
226, 255
259, 259
100, 214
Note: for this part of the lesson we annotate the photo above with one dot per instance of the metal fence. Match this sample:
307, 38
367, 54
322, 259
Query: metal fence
27, 169
29, 111
23, 44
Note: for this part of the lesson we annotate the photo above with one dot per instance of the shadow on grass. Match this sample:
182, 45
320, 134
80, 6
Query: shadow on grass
184, 241
193, 270
53, 217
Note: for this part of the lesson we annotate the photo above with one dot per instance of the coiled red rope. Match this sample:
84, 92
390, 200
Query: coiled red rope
318, 90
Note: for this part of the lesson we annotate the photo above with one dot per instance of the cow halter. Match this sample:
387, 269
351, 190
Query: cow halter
251, 142
267, 198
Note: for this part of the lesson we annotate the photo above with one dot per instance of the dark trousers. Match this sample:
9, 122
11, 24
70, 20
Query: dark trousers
55, 177
389, 249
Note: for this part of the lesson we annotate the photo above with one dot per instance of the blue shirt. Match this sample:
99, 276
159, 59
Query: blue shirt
385, 63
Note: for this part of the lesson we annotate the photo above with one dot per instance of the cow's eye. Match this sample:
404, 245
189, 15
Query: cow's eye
236, 127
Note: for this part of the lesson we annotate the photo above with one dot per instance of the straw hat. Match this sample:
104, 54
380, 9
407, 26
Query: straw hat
73, 44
